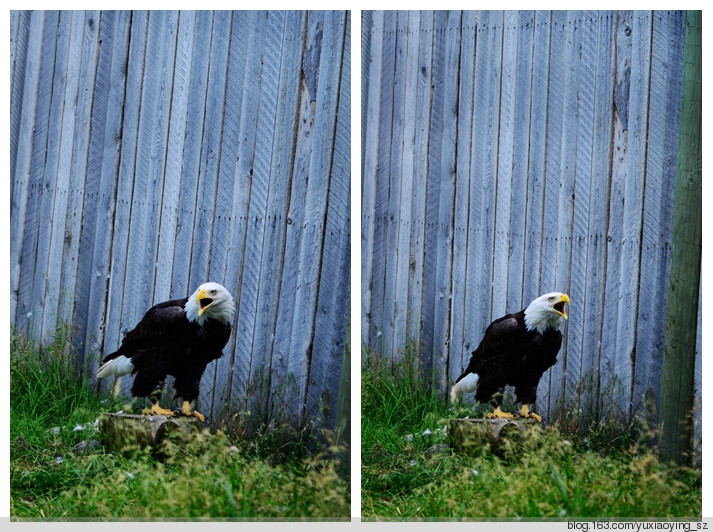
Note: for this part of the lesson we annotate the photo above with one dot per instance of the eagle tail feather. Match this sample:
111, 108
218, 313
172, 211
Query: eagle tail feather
118, 366
466, 384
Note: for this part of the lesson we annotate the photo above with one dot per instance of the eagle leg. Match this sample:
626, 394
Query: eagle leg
187, 411
525, 412
497, 413
155, 409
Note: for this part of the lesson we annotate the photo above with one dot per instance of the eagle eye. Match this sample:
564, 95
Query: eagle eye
213, 292
551, 298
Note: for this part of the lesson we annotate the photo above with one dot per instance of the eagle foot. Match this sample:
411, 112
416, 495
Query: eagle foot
185, 410
498, 414
525, 412
156, 410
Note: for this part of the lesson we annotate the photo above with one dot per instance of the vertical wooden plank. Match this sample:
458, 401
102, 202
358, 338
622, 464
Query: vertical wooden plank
367, 24
562, 175
559, 52
229, 222
78, 166
281, 175
371, 84
191, 158
57, 175
659, 191
175, 147
326, 100
283, 385
432, 235
504, 165
20, 45
537, 159
479, 271
399, 187
161, 182
616, 197
696, 443
594, 303
571, 359
118, 319
331, 319
422, 103
523, 104
47, 174
200, 250
459, 354
238, 172
256, 130
641, 29
104, 162
410, 74
446, 170
149, 171
378, 296
28, 217
256, 266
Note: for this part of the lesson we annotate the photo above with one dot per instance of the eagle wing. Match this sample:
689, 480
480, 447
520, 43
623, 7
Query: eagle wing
162, 324
499, 338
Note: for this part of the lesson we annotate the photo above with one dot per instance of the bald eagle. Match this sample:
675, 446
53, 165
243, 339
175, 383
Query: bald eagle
515, 350
178, 338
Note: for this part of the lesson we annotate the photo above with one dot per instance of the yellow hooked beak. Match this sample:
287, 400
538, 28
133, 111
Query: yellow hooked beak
203, 300
559, 307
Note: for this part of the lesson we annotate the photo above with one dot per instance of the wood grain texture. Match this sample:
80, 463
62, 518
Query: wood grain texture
542, 159
153, 151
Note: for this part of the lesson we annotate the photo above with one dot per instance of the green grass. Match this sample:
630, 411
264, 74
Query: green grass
604, 469
275, 474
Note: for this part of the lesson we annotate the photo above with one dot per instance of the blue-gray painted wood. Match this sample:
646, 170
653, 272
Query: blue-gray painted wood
153, 151
543, 161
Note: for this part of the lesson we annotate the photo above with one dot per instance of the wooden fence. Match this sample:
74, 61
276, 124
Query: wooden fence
509, 154
153, 151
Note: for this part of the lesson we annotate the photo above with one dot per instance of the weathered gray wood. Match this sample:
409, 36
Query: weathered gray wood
537, 157
399, 188
51, 193
523, 103
563, 128
369, 165
418, 219
659, 193
334, 291
28, 314
78, 169
409, 43
310, 263
152, 151
120, 318
592, 314
70, 112
459, 354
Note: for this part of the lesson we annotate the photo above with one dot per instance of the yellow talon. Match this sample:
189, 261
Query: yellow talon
156, 410
497, 413
186, 410
525, 412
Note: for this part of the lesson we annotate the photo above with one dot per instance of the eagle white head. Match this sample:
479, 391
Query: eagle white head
211, 300
548, 310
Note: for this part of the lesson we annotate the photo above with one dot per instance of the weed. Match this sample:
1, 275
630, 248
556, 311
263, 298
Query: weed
598, 466
59, 472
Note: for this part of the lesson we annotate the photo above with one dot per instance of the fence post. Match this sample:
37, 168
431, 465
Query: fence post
683, 290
